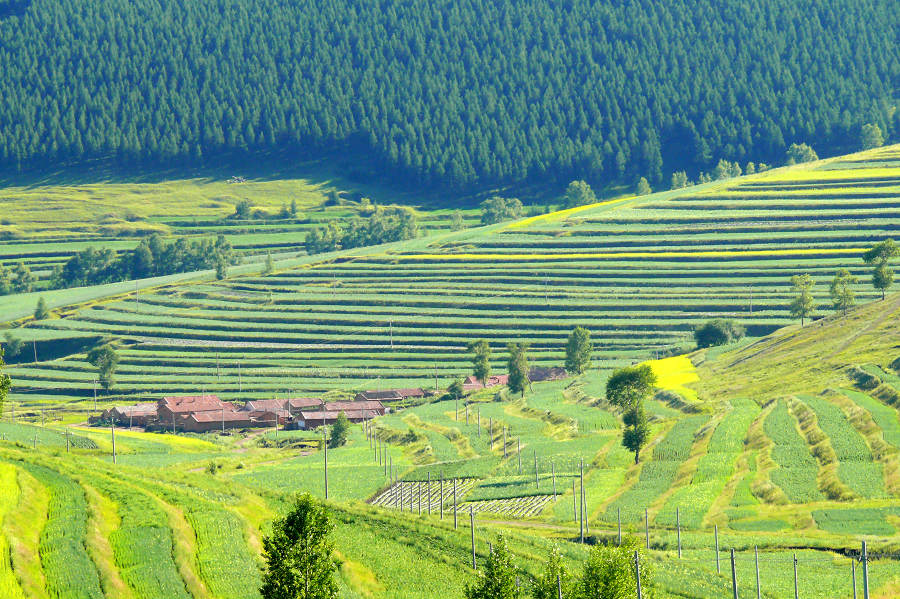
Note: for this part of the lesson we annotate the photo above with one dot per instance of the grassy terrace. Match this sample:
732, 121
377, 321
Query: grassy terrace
639, 272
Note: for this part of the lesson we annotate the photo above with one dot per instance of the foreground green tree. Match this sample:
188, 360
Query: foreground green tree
842, 296
299, 554
871, 136
481, 360
105, 360
880, 257
339, 431
626, 389
609, 573
579, 193
456, 389
802, 306
497, 578
578, 351
553, 578
518, 367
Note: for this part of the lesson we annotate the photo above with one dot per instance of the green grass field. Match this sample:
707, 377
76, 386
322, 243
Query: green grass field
773, 446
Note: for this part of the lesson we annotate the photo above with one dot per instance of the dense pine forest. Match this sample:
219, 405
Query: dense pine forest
460, 93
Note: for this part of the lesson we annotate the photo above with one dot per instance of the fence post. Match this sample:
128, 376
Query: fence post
454, 504
419, 487
619, 521
472, 526
865, 571
796, 586
733, 576
637, 573
112, 432
718, 567
491, 431
325, 445
853, 574
678, 526
429, 493
442, 495
647, 527
536, 483
553, 476
574, 502
519, 453
384, 458
581, 505
504, 442
400, 485
756, 555
558, 587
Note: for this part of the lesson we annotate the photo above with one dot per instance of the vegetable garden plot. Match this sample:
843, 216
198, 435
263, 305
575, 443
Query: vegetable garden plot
884, 416
516, 507
405, 495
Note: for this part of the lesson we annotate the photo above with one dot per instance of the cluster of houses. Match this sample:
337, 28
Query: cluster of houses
204, 413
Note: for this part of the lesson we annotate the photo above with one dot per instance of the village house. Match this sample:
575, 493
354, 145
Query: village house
308, 420
140, 414
391, 395
202, 422
473, 384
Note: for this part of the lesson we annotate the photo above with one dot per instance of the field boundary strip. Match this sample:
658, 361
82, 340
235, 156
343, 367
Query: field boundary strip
613, 255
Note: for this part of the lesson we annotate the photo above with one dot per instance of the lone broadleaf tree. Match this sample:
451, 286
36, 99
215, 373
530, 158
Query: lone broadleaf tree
842, 295
105, 359
579, 193
497, 579
553, 579
298, 554
626, 389
802, 306
578, 351
518, 367
481, 360
880, 256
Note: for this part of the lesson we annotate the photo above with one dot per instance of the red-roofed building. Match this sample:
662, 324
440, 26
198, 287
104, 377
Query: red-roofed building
313, 419
201, 422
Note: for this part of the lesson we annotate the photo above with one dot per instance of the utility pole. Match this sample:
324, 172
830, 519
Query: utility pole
112, 432
734, 587
95, 394
325, 446
637, 573
34, 347
865, 570
240, 384
392, 333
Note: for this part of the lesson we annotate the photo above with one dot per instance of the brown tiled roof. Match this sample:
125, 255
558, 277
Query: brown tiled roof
332, 415
218, 417
177, 399
304, 402
199, 406
337, 406
264, 404
141, 409
390, 394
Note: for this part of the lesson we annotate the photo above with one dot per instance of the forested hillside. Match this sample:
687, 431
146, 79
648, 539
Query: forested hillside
460, 93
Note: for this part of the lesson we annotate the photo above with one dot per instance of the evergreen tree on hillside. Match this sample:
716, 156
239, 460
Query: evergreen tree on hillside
40, 311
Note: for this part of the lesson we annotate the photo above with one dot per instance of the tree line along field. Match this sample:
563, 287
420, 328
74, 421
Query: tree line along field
803, 474
46, 220
639, 272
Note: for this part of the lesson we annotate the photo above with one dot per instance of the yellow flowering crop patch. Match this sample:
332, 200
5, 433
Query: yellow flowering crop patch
674, 373
563, 214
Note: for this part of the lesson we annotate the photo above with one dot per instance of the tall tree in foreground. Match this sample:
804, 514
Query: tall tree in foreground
841, 290
105, 359
626, 389
298, 554
497, 579
802, 306
609, 573
518, 367
578, 351
880, 256
553, 578
481, 360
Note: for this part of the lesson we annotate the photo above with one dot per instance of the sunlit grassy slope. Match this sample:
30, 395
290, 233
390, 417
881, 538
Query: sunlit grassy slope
640, 273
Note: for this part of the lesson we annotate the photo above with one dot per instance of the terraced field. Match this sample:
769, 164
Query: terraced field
640, 273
